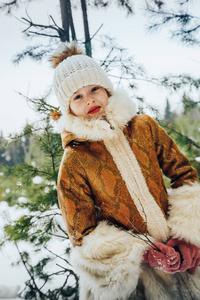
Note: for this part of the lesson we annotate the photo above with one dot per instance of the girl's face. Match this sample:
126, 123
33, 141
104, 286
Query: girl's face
89, 101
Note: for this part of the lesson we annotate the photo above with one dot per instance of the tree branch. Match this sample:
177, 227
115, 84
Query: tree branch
56, 255
187, 24
9, 6
61, 32
28, 271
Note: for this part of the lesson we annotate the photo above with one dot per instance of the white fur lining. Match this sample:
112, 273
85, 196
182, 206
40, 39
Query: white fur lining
161, 285
137, 186
119, 111
108, 263
184, 213
158, 285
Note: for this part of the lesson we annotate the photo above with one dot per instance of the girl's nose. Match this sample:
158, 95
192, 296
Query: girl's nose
89, 100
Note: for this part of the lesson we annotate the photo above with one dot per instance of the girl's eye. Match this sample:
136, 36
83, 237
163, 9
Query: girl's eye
77, 97
95, 88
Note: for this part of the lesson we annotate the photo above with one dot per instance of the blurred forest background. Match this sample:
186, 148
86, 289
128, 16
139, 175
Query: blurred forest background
29, 160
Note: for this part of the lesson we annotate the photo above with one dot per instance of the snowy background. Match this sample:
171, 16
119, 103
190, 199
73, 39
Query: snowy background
155, 51
10, 277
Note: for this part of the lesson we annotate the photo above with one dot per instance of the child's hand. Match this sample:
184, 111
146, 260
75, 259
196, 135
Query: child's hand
190, 255
163, 258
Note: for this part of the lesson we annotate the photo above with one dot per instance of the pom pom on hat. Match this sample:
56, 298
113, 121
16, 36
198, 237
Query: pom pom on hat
74, 70
64, 51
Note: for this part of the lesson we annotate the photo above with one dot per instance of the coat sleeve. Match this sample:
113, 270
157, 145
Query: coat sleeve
184, 195
75, 199
172, 161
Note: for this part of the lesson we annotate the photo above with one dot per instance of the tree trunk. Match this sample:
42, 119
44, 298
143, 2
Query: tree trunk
67, 21
88, 46
72, 23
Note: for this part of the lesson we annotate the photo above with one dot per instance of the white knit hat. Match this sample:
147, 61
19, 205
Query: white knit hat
74, 71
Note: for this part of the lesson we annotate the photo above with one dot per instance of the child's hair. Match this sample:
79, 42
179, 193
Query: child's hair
74, 70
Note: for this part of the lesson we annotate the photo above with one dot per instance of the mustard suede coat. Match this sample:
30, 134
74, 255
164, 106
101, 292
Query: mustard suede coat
111, 174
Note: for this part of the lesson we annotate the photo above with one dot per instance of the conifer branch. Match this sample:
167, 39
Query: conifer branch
29, 272
9, 5
56, 255
183, 137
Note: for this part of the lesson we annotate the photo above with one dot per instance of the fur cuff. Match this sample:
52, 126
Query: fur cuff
184, 213
108, 263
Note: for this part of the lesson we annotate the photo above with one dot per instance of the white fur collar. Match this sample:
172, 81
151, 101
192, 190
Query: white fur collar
119, 111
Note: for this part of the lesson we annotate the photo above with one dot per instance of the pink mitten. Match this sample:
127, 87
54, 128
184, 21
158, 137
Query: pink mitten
162, 257
190, 255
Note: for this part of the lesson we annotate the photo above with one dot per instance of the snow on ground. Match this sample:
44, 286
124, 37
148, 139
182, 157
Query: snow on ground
8, 292
12, 277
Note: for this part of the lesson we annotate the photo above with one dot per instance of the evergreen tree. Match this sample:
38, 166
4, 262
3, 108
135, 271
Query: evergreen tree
184, 26
41, 225
185, 130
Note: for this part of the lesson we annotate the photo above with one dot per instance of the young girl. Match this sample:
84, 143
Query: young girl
131, 238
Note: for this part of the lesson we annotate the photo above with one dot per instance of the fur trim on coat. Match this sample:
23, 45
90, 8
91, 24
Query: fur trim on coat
184, 213
157, 285
108, 263
109, 266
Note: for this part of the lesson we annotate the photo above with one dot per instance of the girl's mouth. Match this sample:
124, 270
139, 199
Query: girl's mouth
94, 109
